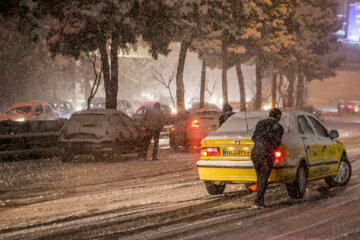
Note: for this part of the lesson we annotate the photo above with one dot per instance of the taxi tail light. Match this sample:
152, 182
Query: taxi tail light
278, 153
278, 156
350, 106
210, 151
195, 123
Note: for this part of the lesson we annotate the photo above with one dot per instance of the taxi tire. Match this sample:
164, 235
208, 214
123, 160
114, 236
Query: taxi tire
297, 189
331, 181
214, 189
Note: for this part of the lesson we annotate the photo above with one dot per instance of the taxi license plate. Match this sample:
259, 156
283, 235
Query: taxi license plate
236, 152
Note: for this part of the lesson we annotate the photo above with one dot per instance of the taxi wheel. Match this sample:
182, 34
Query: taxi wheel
343, 176
298, 187
214, 189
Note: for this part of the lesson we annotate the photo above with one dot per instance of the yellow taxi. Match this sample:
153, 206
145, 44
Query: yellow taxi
308, 152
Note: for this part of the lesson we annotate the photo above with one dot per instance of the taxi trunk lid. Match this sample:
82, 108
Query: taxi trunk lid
232, 146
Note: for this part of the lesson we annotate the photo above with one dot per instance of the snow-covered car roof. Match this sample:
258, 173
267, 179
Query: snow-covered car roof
238, 122
30, 103
108, 112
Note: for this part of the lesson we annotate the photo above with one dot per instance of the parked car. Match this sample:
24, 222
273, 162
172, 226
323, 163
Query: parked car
193, 126
122, 105
34, 110
99, 131
139, 115
308, 152
63, 108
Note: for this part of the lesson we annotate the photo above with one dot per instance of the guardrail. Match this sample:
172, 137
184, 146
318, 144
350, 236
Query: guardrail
28, 139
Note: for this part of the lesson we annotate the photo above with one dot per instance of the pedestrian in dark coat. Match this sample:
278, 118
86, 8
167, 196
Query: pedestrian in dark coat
153, 123
267, 137
227, 112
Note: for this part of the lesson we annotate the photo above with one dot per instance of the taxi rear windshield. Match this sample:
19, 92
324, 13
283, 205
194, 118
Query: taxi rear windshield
238, 123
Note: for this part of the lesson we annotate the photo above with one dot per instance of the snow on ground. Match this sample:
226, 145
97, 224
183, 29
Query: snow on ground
133, 199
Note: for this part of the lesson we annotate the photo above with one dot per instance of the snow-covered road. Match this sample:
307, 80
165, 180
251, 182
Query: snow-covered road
133, 199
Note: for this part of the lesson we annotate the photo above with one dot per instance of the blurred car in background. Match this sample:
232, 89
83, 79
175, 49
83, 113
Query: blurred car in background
139, 115
122, 105
63, 108
98, 132
34, 110
193, 126
352, 107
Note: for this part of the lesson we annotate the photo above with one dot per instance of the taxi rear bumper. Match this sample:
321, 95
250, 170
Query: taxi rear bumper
239, 172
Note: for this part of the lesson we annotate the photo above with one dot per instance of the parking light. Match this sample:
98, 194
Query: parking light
195, 124
210, 151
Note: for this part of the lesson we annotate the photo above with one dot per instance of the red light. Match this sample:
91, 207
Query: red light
210, 151
195, 124
203, 152
350, 106
278, 153
253, 187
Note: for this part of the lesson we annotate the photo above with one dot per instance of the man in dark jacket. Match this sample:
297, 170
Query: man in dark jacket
227, 112
154, 122
267, 137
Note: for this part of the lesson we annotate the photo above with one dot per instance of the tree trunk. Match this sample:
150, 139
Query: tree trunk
290, 97
106, 70
202, 85
111, 99
224, 72
87, 88
241, 87
300, 90
274, 88
258, 95
180, 91
281, 98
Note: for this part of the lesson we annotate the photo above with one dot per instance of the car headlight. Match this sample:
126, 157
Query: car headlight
20, 120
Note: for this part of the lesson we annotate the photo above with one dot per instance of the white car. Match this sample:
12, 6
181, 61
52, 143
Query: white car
34, 110
98, 132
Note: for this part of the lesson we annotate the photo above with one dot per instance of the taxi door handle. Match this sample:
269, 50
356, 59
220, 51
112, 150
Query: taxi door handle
307, 147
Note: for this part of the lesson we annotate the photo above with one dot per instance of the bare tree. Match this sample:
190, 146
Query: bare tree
159, 76
97, 79
210, 91
135, 70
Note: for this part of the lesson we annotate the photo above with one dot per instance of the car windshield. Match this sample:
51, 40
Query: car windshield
238, 123
23, 109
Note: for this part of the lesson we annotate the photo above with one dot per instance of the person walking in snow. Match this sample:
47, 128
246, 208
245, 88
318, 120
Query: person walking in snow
154, 122
227, 112
267, 138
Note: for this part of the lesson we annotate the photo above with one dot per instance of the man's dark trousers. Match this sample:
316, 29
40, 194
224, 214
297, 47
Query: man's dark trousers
149, 135
263, 167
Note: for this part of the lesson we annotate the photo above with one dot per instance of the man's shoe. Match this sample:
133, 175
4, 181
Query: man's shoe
257, 207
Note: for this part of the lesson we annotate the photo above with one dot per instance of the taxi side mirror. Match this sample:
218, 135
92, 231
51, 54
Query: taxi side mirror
334, 133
